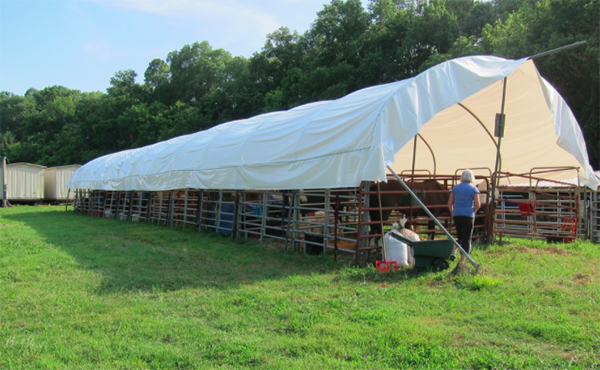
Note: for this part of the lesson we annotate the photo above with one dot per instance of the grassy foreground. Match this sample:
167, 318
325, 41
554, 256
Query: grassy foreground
85, 293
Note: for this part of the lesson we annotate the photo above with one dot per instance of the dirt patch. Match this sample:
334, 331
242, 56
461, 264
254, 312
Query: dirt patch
496, 252
436, 282
549, 250
580, 278
554, 250
344, 244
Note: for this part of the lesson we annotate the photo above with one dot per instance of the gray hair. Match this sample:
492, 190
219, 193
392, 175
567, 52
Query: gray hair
467, 176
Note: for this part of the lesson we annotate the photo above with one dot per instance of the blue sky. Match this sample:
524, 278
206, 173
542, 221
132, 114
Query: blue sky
80, 44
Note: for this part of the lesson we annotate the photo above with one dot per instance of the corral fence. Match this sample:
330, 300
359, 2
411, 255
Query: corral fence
547, 209
338, 220
316, 220
312, 220
592, 210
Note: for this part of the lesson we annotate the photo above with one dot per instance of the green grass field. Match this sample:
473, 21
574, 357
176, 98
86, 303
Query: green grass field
78, 292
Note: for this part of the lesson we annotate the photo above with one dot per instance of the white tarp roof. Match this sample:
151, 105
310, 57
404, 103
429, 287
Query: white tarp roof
342, 142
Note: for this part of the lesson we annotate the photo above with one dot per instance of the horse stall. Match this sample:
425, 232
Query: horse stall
55, 179
23, 183
306, 176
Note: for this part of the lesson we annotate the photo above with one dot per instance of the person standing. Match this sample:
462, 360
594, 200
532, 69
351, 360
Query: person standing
463, 204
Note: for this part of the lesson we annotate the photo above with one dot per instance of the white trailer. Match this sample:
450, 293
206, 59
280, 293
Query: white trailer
23, 181
55, 179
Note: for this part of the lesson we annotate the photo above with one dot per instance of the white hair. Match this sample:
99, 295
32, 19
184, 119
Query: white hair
467, 176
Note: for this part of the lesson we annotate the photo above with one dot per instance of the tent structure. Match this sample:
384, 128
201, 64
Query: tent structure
339, 143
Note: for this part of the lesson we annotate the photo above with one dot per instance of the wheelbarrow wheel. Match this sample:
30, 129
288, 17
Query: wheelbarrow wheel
440, 264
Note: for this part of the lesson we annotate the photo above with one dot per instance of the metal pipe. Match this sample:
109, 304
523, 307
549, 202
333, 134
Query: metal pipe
495, 177
542, 54
430, 151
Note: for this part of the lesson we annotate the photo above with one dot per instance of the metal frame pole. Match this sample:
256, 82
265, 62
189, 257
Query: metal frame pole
497, 167
558, 49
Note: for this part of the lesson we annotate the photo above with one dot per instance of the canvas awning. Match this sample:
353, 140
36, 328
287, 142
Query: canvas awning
339, 143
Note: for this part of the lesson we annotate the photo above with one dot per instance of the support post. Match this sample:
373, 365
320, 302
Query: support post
497, 166
264, 214
363, 228
67, 201
149, 208
236, 212
116, 205
326, 216
289, 200
199, 210
130, 210
336, 215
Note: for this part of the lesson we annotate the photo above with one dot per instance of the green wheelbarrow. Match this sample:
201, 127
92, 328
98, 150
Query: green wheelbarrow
429, 254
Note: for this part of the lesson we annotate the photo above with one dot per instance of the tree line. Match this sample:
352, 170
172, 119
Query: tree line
347, 47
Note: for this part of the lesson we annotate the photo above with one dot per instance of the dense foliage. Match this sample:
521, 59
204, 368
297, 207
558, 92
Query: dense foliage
347, 48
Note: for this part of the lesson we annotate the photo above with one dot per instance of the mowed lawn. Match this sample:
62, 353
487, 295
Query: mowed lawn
78, 292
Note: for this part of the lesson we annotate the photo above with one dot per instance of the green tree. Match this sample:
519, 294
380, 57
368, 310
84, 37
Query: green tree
432, 32
158, 80
337, 42
158, 73
13, 109
195, 70
386, 57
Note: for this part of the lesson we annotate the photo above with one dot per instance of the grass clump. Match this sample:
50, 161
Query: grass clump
81, 293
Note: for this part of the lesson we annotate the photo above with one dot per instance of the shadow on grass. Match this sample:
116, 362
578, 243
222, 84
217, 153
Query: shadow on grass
131, 256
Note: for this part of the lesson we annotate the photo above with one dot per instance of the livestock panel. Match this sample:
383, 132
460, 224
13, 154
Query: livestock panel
325, 219
313, 221
185, 208
55, 179
593, 215
24, 181
542, 209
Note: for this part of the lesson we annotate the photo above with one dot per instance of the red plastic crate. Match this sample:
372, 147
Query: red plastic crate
386, 266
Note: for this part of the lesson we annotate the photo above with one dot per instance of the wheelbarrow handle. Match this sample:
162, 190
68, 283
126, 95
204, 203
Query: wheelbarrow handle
401, 238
